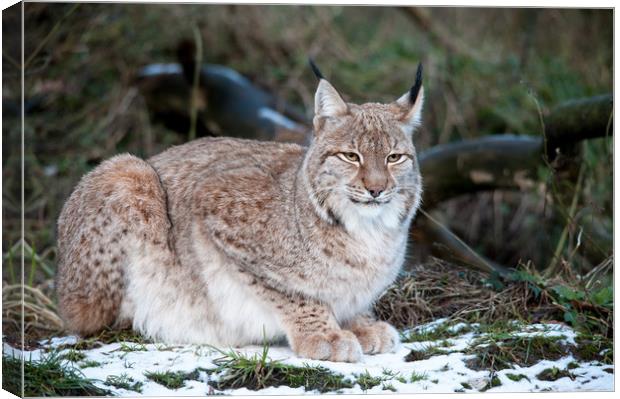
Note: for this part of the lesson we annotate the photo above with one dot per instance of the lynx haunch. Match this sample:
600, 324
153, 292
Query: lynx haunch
226, 242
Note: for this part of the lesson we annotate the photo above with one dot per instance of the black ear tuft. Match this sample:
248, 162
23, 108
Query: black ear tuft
186, 55
315, 69
415, 89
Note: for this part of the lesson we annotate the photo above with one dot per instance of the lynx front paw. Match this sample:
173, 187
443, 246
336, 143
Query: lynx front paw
378, 337
334, 345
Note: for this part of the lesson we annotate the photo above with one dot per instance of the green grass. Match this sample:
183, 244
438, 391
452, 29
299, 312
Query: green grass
73, 356
415, 377
172, 380
366, 381
132, 347
442, 331
585, 303
130, 341
256, 372
386, 386
554, 373
493, 382
502, 351
500, 326
516, 377
594, 348
50, 376
394, 375
90, 363
123, 381
426, 353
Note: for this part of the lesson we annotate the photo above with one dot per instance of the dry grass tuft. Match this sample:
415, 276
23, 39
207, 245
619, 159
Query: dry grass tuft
40, 315
438, 289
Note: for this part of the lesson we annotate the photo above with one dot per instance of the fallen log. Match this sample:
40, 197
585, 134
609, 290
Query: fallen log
487, 163
510, 161
228, 104
501, 162
577, 120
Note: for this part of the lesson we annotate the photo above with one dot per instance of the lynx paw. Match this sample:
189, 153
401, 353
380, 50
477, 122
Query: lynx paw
379, 337
334, 345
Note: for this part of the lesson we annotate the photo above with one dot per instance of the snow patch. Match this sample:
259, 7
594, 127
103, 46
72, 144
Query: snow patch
443, 373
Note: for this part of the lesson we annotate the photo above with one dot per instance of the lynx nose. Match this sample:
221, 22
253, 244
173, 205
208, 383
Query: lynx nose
374, 179
375, 192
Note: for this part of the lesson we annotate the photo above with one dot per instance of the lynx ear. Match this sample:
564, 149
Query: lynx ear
327, 101
411, 103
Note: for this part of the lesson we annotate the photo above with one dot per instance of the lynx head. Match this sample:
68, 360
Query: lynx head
361, 168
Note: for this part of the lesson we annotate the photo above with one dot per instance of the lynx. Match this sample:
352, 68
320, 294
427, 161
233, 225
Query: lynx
230, 242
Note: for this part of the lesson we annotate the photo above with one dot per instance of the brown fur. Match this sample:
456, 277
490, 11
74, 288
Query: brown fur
90, 283
211, 240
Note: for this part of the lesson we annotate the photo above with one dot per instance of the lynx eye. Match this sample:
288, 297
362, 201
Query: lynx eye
394, 158
349, 156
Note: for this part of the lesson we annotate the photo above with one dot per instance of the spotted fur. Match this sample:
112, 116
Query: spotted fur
230, 242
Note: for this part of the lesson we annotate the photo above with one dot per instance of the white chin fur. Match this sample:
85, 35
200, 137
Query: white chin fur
371, 210
368, 219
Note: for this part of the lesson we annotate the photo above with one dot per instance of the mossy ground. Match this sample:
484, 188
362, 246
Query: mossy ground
502, 351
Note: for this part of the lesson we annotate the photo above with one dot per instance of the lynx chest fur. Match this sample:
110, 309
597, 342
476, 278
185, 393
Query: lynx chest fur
248, 208
228, 241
